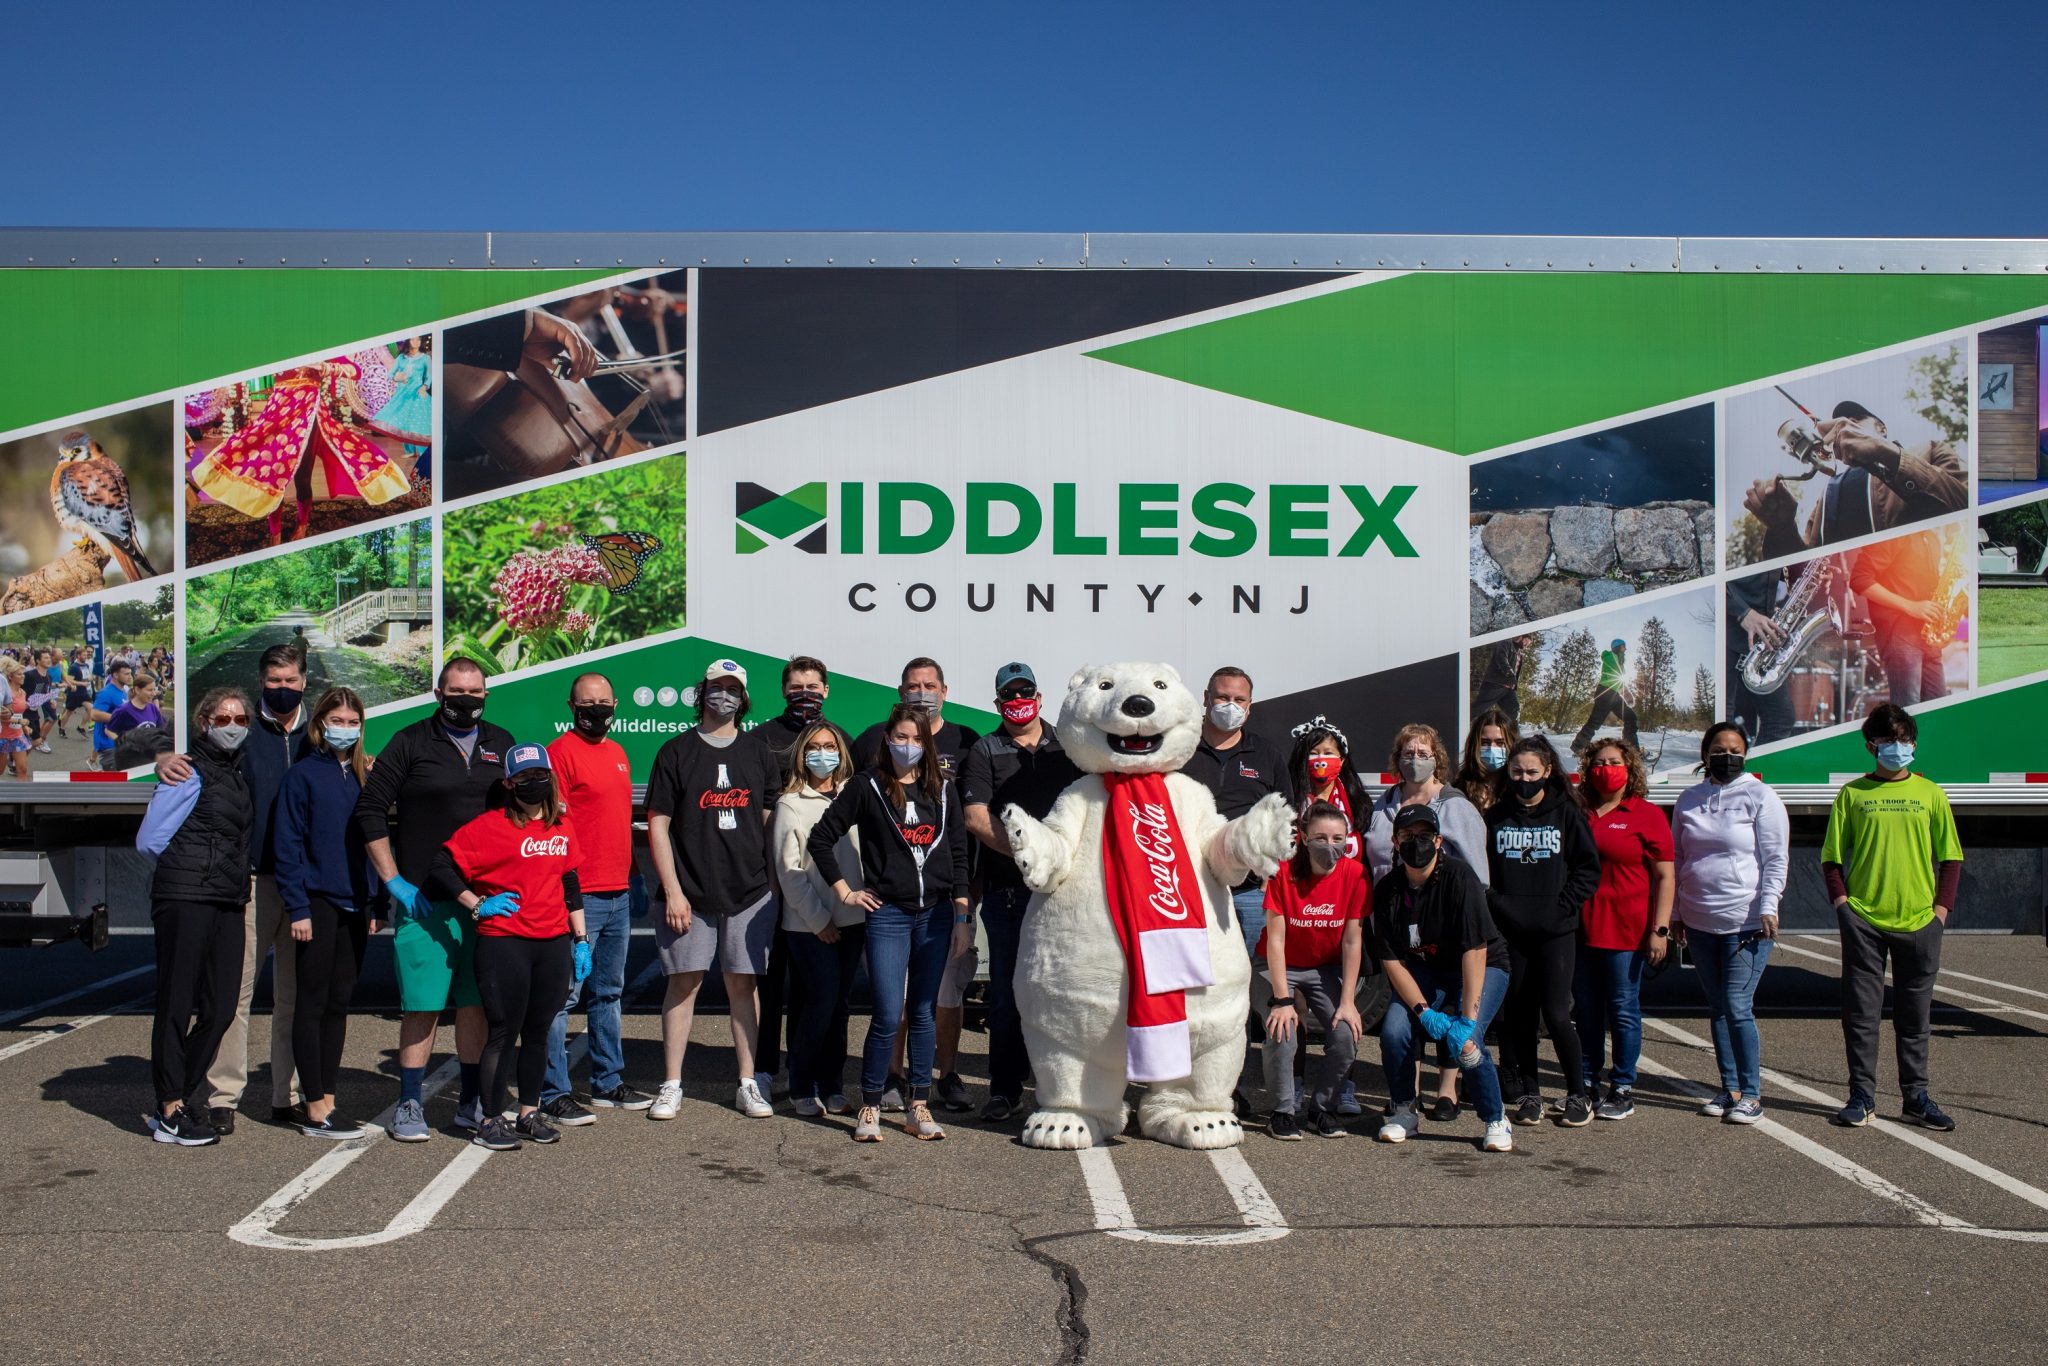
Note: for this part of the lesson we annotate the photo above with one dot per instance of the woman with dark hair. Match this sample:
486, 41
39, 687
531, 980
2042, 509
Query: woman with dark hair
1313, 943
326, 886
198, 831
1729, 836
1321, 767
1627, 923
1485, 754
826, 936
1544, 866
913, 859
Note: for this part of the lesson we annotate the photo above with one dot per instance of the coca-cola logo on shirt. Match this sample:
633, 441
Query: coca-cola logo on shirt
1152, 832
920, 836
1320, 916
728, 799
551, 846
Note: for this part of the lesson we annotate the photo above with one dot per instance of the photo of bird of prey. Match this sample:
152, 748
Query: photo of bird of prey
89, 494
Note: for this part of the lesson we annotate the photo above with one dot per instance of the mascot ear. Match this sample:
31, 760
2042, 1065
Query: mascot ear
1081, 676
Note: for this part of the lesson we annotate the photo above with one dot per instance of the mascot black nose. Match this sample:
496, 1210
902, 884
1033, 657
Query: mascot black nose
1137, 705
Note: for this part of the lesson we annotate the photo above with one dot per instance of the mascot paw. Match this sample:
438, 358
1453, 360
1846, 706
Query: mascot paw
1067, 1129
1263, 837
1038, 853
1195, 1129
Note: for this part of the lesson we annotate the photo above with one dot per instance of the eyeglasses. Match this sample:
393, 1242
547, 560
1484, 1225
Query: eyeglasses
234, 718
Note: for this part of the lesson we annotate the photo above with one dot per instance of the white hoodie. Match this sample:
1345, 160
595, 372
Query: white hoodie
1730, 843
808, 903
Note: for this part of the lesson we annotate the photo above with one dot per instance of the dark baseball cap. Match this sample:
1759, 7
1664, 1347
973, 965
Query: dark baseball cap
1854, 411
1014, 672
1418, 814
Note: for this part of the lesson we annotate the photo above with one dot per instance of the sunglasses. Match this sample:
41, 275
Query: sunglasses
1017, 694
235, 718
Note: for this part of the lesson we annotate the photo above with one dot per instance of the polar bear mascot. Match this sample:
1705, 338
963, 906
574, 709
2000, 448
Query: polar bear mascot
1129, 969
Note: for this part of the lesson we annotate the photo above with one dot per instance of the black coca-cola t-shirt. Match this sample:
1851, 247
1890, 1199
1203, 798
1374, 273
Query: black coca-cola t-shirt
721, 869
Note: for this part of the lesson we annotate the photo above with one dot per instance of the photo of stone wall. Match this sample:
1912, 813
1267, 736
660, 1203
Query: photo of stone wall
1592, 520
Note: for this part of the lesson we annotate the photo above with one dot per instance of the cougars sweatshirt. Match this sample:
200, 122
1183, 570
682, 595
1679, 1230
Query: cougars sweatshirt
1543, 863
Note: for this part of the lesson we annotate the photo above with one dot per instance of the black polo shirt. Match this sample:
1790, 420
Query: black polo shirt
1000, 773
1240, 776
436, 788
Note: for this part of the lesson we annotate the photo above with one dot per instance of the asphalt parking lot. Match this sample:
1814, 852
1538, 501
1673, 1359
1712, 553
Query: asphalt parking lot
719, 1237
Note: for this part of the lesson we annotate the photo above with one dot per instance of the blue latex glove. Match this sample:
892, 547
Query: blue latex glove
1459, 1034
581, 954
498, 903
1435, 1024
410, 900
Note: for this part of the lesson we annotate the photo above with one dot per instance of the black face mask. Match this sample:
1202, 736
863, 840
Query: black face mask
534, 791
461, 711
1525, 788
594, 718
1417, 851
1725, 768
282, 702
806, 706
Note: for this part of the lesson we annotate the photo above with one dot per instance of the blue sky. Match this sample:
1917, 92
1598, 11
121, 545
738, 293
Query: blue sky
1875, 119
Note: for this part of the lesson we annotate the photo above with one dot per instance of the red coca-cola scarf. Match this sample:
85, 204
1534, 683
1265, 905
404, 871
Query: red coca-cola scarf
1155, 902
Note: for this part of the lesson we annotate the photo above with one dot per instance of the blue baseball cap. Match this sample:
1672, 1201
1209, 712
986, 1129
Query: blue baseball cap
520, 758
1014, 672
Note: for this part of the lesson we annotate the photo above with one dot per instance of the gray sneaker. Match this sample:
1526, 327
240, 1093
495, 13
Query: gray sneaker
1619, 1104
868, 1127
892, 1095
1400, 1125
409, 1123
952, 1094
470, 1116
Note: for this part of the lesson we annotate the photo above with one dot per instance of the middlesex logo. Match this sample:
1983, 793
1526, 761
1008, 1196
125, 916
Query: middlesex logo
554, 846
765, 515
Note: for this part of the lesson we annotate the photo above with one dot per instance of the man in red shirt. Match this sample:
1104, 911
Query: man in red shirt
597, 784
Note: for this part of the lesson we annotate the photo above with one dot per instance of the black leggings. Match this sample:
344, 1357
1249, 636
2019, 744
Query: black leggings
523, 983
1539, 983
198, 978
328, 964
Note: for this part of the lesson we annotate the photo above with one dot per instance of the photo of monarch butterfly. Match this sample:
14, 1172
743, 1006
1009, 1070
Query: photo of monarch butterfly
622, 553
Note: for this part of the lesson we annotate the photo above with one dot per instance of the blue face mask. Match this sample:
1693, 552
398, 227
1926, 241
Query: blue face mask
905, 756
822, 761
343, 737
1493, 758
1896, 755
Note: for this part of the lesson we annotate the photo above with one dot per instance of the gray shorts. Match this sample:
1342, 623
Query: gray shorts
734, 942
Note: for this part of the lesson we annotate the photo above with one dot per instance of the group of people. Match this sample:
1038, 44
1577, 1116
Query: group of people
47, 691
797, 858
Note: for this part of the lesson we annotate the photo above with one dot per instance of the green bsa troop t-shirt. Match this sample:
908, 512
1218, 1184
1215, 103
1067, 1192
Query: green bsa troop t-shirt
1888, 837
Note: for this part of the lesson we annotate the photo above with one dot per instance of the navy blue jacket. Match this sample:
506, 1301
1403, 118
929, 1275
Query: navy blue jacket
319, 852
265, 758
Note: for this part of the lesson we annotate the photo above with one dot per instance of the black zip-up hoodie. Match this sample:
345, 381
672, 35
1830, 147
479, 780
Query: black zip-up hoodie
1543, 862
889, 866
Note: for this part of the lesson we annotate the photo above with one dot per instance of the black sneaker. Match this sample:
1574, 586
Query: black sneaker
221, 1119
494, 1133
336, 1126
1282, 1125
1529, 1109
1578, 1111
1620, 1104
287, 1116
1326, 1124
621, 1097
952, 1094
1000, 1109
564, 1111
1444, 1109
1921, 1109
183, 1128
535, 1128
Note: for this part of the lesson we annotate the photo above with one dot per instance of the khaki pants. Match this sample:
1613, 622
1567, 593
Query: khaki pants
265, 924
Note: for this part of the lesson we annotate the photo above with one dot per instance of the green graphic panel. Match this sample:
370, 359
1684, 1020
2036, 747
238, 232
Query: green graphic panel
1469, 362
1965, 743
536, 707
81, 339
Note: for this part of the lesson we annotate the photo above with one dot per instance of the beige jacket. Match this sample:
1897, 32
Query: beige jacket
808, 904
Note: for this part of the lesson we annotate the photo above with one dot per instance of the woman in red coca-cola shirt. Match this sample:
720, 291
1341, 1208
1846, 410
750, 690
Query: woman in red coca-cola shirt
515, 866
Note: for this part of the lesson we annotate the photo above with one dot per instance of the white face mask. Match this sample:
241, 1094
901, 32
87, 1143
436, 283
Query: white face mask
721, 702
229, 738
1227, 716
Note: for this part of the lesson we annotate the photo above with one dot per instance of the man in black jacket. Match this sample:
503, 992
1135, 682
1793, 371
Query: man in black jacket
438, 774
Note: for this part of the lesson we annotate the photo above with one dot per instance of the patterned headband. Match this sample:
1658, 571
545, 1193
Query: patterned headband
1320, 722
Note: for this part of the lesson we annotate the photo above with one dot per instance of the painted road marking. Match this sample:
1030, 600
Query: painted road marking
30, 1012
2004, 1007
1945, 972
37, 1040
2006, 1182
1113, 1214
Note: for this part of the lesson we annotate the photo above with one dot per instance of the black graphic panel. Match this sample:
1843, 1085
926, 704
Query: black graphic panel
1370, 708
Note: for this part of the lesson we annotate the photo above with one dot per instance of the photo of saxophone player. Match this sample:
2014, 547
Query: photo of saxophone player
1752, 626
1911, 587
1880, 485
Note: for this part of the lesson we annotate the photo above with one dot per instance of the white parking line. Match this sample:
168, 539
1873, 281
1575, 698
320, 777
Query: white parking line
1113, 1214
30, 1012
2004, 1007
2006, 1182
1945, 972
37, 1040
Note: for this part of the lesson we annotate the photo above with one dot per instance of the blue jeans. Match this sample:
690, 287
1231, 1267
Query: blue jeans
1002, 919
1250, 906
906, 948
1730, 967
608, 924
1607, 998
1401, 1040
823, 975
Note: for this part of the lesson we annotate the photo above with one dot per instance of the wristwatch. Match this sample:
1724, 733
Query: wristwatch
582, 939
1662, 931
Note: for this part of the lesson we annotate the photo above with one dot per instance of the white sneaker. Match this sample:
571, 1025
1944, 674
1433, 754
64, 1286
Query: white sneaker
42, 749
808, 1107
1400, 1125
749, 1101
668, 1102
1500, 1137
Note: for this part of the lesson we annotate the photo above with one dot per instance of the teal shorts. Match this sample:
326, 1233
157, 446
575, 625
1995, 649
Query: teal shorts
436, 958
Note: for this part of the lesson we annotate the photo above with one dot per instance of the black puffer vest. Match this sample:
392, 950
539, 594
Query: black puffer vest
208, 859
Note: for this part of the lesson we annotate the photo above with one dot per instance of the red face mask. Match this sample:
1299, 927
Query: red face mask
1608, 777
1323, 767
1020, 711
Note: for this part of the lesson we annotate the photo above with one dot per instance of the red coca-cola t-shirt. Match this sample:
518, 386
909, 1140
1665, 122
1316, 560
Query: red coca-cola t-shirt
1317, 909
597, 783
494, 854
1631, 837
